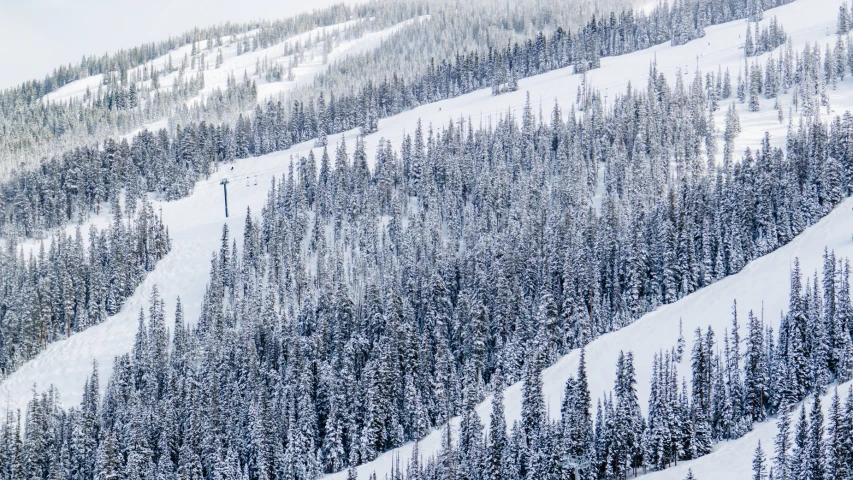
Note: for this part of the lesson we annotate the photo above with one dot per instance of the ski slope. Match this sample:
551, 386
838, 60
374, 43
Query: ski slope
195, 225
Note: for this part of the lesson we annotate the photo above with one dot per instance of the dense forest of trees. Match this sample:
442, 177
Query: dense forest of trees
729, 390
73, 283
86, 180
818, 446
234, 435
367, 307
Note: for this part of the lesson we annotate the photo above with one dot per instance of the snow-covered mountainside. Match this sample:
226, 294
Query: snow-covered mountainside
312, 52
762, 286
217, 73
195, 223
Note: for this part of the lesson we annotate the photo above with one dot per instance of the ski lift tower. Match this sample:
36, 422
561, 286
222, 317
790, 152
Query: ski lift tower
224, 184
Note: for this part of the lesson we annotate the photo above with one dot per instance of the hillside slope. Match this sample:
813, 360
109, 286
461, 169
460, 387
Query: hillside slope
195, 224
763, 285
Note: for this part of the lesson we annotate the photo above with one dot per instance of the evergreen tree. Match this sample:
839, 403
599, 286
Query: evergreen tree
759, 469
782, 460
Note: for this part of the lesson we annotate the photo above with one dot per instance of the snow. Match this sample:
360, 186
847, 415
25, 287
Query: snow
154, 126
733, 459
761, 285
233, 64
195, 224
307, 70
648, 7
236, 65
75, 89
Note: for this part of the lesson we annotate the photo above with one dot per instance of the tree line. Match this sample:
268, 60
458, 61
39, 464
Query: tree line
72, 283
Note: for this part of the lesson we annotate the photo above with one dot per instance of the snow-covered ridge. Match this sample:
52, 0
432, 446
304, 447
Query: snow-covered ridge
317, 56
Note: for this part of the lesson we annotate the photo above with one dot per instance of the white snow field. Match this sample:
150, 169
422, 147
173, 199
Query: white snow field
195, 224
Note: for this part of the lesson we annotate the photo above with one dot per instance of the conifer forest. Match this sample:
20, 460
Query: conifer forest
530, 240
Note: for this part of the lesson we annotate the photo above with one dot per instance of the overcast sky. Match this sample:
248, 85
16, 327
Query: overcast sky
38, 35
